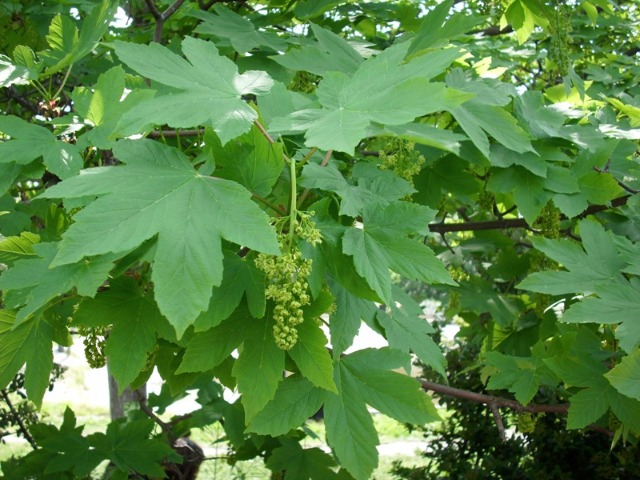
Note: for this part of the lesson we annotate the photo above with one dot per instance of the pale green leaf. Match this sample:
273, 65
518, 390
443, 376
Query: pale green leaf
407, 329
346, 320
208, 88
67, 46
422, 133
158, 193
15, 248
295, 401
625, 376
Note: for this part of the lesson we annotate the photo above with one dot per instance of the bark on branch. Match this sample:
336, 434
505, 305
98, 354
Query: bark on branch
492, 401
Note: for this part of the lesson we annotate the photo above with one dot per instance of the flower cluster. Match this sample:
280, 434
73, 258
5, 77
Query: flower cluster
548, 222
401, 157
94, 342
287, 286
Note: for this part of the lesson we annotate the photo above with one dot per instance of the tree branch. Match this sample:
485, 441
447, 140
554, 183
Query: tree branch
18, 419
166, 428
492, 401
161, 17
516, 222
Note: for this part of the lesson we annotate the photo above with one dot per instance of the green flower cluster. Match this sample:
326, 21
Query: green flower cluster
94, 342
287, 286
548, 222
401, 157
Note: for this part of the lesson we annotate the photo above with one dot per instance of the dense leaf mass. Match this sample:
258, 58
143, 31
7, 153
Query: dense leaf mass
225, 192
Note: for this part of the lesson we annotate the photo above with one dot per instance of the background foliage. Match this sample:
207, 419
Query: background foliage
225, 191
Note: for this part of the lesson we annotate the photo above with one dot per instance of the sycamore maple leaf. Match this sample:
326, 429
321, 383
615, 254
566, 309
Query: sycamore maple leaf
158, 193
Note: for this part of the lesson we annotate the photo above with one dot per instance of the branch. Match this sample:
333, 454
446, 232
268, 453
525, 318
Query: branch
516, 222
166, 428
493, 31
491, 401
620, 183
18, 419
196, 132
161, 17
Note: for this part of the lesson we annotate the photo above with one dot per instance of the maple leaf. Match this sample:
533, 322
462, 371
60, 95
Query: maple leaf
384, 90
206, 90
159, 193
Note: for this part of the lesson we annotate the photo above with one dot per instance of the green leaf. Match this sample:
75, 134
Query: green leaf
599, 262
72, 451
349, 428
208, 349
383, 90
346, 320
394, 394
240, 278
381, 245
625, 376
527, 188
32, 282
422, 133
240, 31
159, 193
364, 378
259, 367
208, 88
617, 303
67, 46
311, 355
407, 329
516, 374
249, 159
135, 321
294, 402
129, 447
302, 464
331, 53
28, 342
30, 142
15, 248
437, 27
101, 106
380, 187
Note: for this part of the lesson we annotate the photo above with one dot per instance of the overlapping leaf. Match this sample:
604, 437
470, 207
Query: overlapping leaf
32, 282
383, 90
371, 186
364, 378
205, 90
158, 193
30, 142
382, 245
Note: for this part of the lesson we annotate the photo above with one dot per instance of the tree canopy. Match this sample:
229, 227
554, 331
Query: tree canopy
225, 190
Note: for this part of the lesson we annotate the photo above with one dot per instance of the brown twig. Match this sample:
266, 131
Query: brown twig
516, 222
498, 419
162, 17
489, 400
166, 428
196, 132
18, 419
